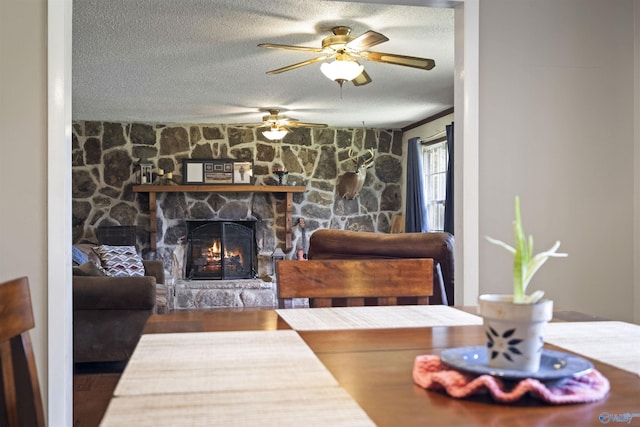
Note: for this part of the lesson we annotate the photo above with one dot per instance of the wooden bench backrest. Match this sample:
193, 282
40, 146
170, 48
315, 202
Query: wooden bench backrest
353, 280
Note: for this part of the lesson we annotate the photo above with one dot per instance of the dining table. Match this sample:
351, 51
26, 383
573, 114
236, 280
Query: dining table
350, 366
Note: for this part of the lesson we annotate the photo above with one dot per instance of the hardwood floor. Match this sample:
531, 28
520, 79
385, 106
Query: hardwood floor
93, 386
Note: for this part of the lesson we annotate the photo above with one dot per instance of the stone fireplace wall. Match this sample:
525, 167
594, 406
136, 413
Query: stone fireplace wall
104, 155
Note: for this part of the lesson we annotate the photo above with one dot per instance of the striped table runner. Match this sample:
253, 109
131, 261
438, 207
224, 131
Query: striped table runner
384, 317
323, 406
229, 378
222, 361
611, 342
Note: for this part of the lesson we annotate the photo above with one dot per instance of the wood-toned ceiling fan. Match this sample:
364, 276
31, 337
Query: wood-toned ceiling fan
275, 118
279, 125
346, 49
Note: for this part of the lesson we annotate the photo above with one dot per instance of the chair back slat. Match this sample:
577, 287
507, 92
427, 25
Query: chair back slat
20, 398
356, 280
15, 309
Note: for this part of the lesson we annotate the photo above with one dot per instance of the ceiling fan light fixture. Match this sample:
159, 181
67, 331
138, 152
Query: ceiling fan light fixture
341, 70
275, 133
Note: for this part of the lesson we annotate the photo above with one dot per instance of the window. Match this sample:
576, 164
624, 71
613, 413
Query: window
434, 164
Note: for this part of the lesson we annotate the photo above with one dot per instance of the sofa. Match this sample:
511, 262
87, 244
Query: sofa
344, 244
109, 313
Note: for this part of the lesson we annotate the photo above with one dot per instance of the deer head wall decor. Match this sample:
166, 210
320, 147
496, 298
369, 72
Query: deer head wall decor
349, 184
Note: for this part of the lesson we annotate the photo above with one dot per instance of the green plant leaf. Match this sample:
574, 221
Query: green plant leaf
524, 264
501, 243
538, 261
533, 298
521, 257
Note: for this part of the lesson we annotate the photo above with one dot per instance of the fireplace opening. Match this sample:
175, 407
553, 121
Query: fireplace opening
218, 250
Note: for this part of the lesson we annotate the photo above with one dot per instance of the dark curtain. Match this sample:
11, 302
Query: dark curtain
448, 204
416, 209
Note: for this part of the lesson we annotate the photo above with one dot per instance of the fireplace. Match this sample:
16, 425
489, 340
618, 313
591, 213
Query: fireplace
218, 250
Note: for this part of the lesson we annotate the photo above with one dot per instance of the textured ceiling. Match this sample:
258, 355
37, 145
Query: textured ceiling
197, 61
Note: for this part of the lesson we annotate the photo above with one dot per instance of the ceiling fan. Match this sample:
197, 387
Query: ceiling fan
346, 49
280, 125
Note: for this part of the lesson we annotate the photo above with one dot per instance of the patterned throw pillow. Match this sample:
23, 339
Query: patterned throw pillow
120, 261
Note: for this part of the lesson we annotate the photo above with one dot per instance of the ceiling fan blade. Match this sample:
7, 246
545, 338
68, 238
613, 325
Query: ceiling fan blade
289, 47
366, 40
362, 79
293, 123
253, 125
300, 64
391, 58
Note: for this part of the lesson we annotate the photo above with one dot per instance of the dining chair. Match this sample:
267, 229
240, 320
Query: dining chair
20, 398
354, 282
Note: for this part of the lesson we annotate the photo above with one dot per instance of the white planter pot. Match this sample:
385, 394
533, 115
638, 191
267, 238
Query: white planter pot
514, 331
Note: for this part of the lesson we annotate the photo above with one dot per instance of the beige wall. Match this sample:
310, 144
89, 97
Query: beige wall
557, 128
23, 166
636, 276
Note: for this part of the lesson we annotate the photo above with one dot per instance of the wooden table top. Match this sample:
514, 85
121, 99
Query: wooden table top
375, 367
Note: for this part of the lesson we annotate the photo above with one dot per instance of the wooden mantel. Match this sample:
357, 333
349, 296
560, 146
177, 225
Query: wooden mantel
153, 208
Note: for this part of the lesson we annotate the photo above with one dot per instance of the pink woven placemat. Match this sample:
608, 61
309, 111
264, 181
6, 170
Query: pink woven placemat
430, 373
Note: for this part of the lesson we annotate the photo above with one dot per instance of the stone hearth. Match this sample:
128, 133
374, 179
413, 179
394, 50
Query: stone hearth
203, 294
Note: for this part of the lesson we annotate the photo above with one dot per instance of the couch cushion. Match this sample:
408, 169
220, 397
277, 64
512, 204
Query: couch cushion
114, 293
120, 261
88, 269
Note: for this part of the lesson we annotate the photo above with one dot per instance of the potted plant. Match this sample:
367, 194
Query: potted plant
514, 324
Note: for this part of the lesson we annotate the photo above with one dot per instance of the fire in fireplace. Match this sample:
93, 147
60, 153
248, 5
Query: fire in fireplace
218, 250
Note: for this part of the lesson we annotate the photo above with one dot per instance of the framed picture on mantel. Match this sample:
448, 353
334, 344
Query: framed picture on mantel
242, 172
217, 171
